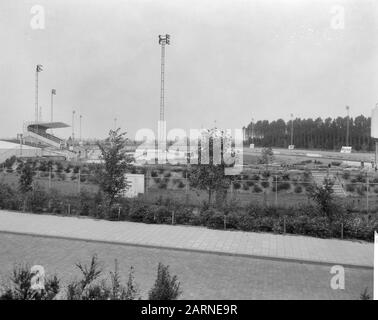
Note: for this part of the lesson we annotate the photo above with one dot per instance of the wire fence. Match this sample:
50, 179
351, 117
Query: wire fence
270, 190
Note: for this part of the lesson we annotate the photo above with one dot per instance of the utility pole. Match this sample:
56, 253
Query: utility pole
292, 130
163, 41
347, 132
53, 93
162, 142
252, 130
37, 70
80, 128
73, 128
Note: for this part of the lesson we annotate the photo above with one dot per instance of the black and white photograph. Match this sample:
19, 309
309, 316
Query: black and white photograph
201, 152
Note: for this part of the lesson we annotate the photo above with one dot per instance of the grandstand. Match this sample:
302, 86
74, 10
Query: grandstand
35, 133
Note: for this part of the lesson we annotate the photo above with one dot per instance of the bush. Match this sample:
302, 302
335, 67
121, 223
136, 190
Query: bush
236, 185
245, 186
265, 184
257, 189
346, 175
298, 189
166, 287
350, 187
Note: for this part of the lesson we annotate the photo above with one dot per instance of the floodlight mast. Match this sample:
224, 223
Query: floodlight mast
163, 41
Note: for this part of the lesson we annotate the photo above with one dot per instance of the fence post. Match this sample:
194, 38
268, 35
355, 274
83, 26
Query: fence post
50, 179
186, 186
78, 183
173, 217
69, 209
342, 230
284, 225
276, 192
119, 213
367, 193
225, 222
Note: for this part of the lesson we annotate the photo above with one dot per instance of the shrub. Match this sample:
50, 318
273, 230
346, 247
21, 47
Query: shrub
162, 185
167, 174
166, 287
266, 174
245, 186
346, 175
20, 288
350, 187
250, 183
298, 189
257, 189
236, 185
181, 184
265, 184
255, 177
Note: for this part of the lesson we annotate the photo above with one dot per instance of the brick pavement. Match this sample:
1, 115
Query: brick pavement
262, 245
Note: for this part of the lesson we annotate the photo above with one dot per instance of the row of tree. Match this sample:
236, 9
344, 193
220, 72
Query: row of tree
327, 134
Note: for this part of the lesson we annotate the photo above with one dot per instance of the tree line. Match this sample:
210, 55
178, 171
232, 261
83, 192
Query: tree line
327, 134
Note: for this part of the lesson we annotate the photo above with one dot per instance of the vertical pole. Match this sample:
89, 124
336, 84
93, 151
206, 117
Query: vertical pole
36, 94
276, 200
342, 230
376, 152
347, 133
173, 216
73, 128
292, 130
186, 185
284, 224
367, 193
52, 105
49, 178
162, 81
80, 127
78, 183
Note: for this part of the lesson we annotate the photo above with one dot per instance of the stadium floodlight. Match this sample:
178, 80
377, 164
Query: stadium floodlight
347, 131
38, 69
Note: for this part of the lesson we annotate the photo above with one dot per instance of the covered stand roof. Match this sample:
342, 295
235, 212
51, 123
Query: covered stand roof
49, 125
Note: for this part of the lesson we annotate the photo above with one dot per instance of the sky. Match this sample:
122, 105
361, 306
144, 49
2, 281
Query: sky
228, 62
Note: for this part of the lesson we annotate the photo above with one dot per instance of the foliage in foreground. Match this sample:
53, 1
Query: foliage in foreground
90, 286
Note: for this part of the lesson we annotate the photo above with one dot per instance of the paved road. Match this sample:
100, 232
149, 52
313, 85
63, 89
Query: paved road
202, 275
262, 245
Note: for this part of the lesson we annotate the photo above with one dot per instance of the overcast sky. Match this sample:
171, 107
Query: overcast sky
228, 61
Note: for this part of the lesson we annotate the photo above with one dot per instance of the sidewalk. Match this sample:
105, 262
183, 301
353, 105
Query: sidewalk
261, 245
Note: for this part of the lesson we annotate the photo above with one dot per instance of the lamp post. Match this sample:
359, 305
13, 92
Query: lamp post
252, 130
53, 93
292, 130
80, 127
73, 128
347, 132
37, 70
162, 142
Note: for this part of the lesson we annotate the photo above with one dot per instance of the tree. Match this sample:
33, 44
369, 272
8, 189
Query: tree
116, 162
26, 179
165, 287
210, 176
323, 196
266, 156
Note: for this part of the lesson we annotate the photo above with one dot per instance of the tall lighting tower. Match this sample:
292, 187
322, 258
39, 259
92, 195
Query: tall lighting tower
292, 129
347, 133
37, 70
73, 127
163, 41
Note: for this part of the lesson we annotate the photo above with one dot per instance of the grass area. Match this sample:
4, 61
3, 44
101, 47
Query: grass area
203, 276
